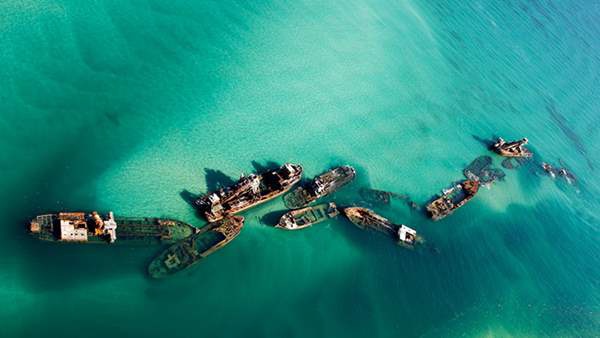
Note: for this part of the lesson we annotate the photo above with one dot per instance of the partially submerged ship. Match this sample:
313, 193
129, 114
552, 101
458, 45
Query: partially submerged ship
512, 149
320, 186
84, 227
367, 219
452, 199
305, 217
249, 191
189, 251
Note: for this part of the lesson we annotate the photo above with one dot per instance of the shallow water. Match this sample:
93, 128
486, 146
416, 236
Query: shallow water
131, 106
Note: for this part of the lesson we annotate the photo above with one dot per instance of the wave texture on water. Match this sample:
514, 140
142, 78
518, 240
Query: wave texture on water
134, 106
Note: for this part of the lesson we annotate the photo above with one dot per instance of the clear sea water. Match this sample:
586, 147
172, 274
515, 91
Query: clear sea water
129, 105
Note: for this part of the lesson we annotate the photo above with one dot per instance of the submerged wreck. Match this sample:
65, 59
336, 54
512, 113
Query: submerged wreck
481, 170
367, 219
91, 227
374, 196
305, 217
452, 199
560, 172
512, 149
189, 251
381, 197
569, 177
549, 169
249, 191
320, 186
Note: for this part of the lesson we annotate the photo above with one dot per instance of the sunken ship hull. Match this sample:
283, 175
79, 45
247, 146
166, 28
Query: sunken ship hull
320, 186
249, 191
191, 250
83, 227
306, 217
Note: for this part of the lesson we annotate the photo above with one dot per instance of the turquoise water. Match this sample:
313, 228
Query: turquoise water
124, 105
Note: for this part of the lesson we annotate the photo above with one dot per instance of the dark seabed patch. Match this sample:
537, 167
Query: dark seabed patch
563, 125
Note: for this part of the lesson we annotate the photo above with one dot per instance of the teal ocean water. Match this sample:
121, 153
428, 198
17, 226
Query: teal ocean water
128, 105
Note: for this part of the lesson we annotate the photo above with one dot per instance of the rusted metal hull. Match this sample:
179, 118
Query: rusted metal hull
453, 199
189, 251
320, 186
306, 217
249, 192
130, 231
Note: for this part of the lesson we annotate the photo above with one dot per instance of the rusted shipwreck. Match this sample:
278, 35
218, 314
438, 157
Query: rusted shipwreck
190, 250
367, 219
512, 149
306, 217
452, 199
249, 191
320, 186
